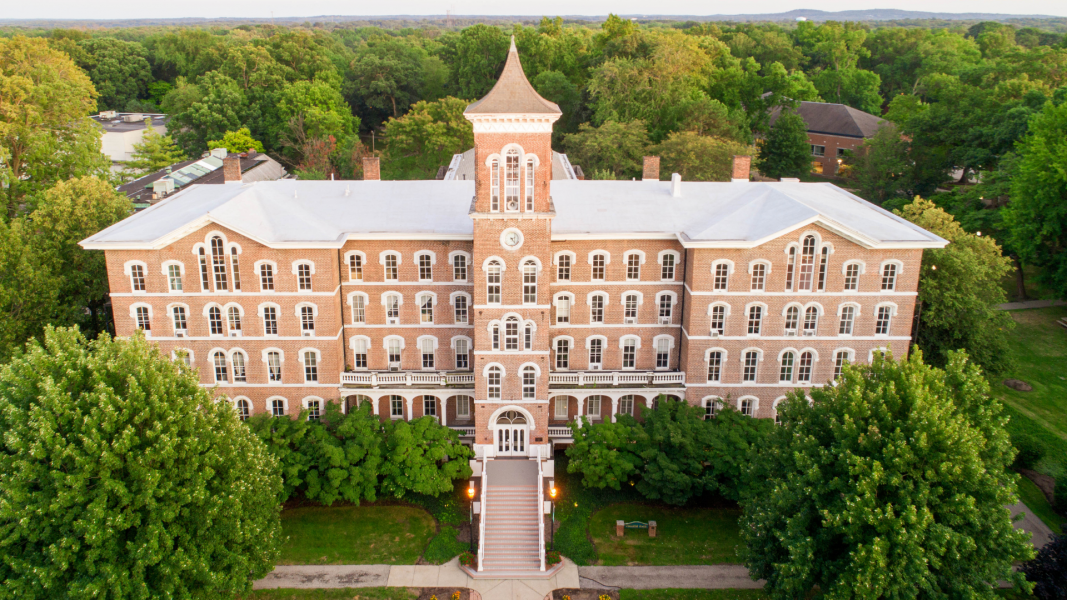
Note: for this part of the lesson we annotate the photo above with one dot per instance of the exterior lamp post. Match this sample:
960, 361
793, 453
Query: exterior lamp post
552, 492
470, 495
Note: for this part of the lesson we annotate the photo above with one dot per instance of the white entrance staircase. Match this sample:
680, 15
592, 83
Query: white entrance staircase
512, 541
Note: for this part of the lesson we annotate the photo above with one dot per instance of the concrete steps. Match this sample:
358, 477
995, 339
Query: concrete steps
511, 526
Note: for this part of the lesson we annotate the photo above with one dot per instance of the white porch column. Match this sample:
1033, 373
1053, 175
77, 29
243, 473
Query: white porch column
614, 407
374, 404
411, 405
581, 409
649, 400
444, 411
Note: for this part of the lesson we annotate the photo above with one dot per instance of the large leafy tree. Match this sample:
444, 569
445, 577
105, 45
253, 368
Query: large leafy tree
700, 157
387, 76
135, 484
476, 57
1036, 218
786, 152
155, 151
880, 170
959, 290
422, 456
119, 69
44, 135
29, 290
891, 484
426, 138
205, 110
613, 150
237, 141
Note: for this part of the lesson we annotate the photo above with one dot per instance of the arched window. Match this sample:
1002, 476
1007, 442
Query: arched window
494, 185
792, 319
219, 361
666, 307
511, 334
629, 353
204, 278
277, 407
314, 407
852, 277
718, 320
714, 366
266, 277
511, 180
392, 267
238, 360
629, 303
359, 309
824, 260
462, 354
180, 323
884, 319
233, 316
711, 408
563, 309
274, 366
790, 268
355, 268
303, 277
759, 277
804, 368
788, 362
596, 309
626, 405
529, 383
563, 354
243, 410
459, 305
235, 264
633, 266
493, 383
667, 267
722, 277
751, 366
527, 336
214, 318
311, 366
746, 406
889, 277
807, 263
270, 320
307, 320
392, 352
848, 319
459, 268
811, 320
599, 266
426, 309
392, 309
663, 353
563, 267
174, 278
137, 278
144, 319
359, 353
425, 267
755, 320
492, 282
529, 282
840, 360
426, 346
531, 179
218, 262
596, 353
494, 335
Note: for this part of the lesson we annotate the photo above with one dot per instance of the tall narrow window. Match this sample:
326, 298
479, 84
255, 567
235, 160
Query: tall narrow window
425, 268
266, 278
355, 268
807, 263
218, 263
303, 277
270, 320
562, 410
666, 306
426, 310
811, 320
751, 365
714, 367
274, 367
711, 407
307, 320
839, 363
629, 308
786, 375
396, 407
718, 320
848, 318
311, 367
529, 283
137, 278
563, 309
359, 354
219, 360
804, 368
722, 277
494, 334
392, 351
592, 406
243, 410
599, 261
852, 277
667, 269
881, 325
755, 320
144, 322
314, 410
529, 383
596, 309
391, 270
626, 405
663, 353
462, 355
359, 310
531, 180
179, 318
629, 353
429, 406
563, 354
633, 267
824, 260
238, 360
790, 268
511, 180
463, 407
459, 268
492, 282
277, 408
392, 309
235, 265
527, 343
792, 320
759, 277
494, 185
461, 309
174, 277
204, 280
427, 354
233, 316
563, 269
511, 334
214, 319
493, 383
746, 407
596, 353
889, 277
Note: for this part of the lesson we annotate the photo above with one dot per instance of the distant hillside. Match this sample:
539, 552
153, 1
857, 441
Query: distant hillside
874, 14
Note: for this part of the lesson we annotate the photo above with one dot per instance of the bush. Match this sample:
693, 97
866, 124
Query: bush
1030, 451
468, 559
444, 546
1048, 570
1059, 495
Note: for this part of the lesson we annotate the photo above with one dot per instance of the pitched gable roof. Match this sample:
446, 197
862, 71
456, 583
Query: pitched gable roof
512, 93
836, 119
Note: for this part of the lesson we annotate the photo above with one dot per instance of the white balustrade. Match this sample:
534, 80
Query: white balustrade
616, 378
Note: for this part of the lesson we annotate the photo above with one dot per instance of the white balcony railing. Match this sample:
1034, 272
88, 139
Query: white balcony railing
560, 432
463, 430
398, 378
623, 378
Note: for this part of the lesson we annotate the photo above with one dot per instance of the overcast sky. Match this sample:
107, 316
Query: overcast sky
112, 9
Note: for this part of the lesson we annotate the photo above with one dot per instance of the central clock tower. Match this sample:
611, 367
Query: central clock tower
512, 213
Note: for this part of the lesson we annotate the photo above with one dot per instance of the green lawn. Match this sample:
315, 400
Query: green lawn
372, 593
1035, 500
685, 536
682, 594
355, 535
1040, 347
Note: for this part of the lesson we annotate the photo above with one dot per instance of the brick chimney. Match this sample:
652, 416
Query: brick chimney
650, 172
371, 168
741, 168
231, 169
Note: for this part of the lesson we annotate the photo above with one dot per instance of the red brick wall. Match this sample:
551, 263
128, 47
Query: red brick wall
832, 143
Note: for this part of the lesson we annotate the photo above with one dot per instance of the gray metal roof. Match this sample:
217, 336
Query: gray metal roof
836, 119
291, 213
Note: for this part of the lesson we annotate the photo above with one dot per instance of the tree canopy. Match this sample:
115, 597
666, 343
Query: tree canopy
786, 152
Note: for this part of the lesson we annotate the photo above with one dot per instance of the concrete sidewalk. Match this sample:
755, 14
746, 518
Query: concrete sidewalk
710, 577
1040, 534
1030, 304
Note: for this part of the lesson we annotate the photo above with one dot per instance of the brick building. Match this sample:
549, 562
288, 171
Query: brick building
834, 129
509, 302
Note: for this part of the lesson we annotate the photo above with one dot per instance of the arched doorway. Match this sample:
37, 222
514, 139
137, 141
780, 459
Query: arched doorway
512, 432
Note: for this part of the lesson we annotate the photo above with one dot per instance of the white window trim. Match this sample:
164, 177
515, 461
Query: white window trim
503, 371
707, 355
555, 257
189, 351
663, 336
589, 298
558, 295
423, 338
862, 265
755, 404
708, 399
662, 253
400, 301
303, 261
296, 311
856, 305
430, 253
760, 261
603, 339
261, 312
352, 342
164, 268
758, 351
136, 305
622, 341
818, 309
849, 351
674, 299
389, 338
384, 253
419, 297
453, 254
229, 305
607, 257
285, 404
640, 297
626, 256
891, 305
455, 338
726, 305
891, 261
263, 354
452, 299
531, 258
526, 365
569, 340
723, 261
503, 264
782, 352
322, 403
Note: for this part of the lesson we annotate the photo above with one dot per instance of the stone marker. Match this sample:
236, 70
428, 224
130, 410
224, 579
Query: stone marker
651, 529
620, 528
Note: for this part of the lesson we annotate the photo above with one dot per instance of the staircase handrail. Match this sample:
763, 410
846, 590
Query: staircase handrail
482, 520
540, 512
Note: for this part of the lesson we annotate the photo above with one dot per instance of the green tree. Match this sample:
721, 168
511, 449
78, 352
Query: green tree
138, 484
476, 58
700, 157
880, 169
154, 152
422, 456
29, 290
1036, 218
891, 484
786, 152
119, 69
237, 141
205, 110
387, 76
555, 87
44, 135
613, 147
959, 290
320, 104
66, 214
853, 87
426, 138
605, 453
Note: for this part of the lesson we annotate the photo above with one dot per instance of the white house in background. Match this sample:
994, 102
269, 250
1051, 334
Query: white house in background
123, 130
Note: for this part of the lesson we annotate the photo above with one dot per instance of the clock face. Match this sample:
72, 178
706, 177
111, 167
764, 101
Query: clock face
511, 239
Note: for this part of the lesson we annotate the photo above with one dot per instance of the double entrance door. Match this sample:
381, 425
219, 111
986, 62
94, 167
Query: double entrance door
512, 432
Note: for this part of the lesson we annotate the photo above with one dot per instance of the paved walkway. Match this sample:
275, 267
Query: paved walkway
651, 578
1030, 304
1040, 534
